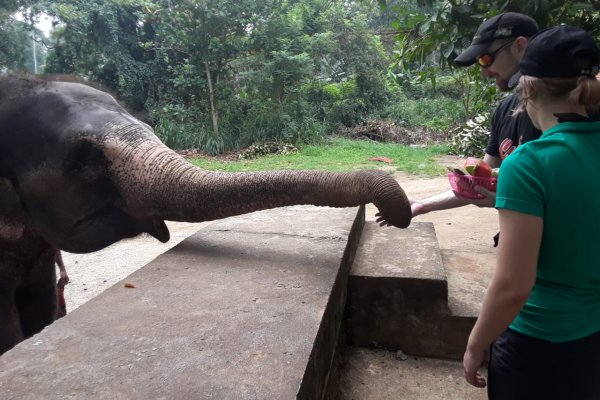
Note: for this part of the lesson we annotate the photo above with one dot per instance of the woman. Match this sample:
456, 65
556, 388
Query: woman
542, 309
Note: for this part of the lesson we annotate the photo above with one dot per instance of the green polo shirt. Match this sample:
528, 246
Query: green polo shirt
557, 177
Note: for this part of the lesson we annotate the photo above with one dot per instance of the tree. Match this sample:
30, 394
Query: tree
223, 72
101, 41
430, 34
15, 41
17, 37
364, 59
437, 36
206, 37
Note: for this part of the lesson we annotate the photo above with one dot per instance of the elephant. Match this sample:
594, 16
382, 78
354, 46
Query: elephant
78, 173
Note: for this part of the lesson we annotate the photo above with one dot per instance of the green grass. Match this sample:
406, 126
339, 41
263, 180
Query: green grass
341, 155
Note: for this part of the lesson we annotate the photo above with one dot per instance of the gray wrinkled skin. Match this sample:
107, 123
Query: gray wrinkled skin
78, 173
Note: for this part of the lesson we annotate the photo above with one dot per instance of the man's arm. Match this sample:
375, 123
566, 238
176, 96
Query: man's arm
448, 200
493, 161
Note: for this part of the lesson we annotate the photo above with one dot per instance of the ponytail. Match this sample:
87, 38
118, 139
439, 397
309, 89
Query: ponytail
587, 92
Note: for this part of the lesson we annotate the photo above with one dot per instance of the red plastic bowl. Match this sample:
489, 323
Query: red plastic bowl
464, 185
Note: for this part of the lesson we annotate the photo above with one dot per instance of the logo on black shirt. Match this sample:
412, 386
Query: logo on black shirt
506, 147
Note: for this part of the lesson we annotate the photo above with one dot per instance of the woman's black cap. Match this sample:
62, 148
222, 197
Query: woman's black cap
561, 51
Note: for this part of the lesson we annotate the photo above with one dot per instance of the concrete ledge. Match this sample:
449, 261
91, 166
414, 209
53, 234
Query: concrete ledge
247, 308
398, 294
321, 373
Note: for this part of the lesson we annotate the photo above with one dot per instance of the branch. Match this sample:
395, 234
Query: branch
44, 43
171, 48
386, 33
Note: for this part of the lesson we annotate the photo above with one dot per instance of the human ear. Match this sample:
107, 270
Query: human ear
528, 90
521, 44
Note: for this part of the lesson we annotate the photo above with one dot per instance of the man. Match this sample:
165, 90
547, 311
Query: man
497, 47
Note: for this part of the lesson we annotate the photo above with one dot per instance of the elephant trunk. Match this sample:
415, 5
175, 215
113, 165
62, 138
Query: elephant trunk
160, 184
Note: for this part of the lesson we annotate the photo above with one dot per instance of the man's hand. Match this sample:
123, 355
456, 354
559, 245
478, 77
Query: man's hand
416, 207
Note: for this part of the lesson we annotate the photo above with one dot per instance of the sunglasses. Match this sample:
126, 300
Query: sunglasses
488, 59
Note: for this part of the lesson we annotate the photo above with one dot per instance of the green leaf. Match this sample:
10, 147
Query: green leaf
448, 50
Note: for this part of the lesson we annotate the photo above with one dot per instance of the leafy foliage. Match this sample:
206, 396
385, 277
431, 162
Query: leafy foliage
101, 41
469, 140
14, 40
222, 74
17, 37
262, 149
432, 35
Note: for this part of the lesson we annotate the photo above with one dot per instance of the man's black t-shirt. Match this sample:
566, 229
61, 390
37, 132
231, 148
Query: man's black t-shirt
508, 130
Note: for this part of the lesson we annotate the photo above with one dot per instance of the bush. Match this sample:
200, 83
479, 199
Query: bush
471, 139
293, 123
263, 149
309, 113
438, 114
347, 112
336, 104
186, 128
448, 86
445, 86
189, 136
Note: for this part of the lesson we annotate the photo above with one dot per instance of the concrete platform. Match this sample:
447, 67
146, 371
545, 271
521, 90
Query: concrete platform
247, 308
398, 295
253, 308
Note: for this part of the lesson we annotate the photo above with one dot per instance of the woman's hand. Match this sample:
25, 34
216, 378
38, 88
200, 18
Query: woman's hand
473, 360
489, 199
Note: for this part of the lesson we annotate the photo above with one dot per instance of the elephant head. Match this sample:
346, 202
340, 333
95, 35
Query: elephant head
77, 172
89, 174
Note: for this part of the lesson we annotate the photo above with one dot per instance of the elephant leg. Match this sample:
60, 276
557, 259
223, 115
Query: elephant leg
37, 302
10, 325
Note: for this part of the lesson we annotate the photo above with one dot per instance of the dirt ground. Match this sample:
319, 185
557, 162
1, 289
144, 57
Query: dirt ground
464, 235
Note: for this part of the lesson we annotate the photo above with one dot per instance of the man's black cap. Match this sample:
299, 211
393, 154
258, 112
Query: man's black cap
561, 51
503, 26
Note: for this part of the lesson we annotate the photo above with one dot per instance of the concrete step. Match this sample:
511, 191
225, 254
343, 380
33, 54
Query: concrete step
469, 273
248, 308
398, 295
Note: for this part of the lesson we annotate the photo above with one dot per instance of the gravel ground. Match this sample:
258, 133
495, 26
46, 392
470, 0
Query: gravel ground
90, 274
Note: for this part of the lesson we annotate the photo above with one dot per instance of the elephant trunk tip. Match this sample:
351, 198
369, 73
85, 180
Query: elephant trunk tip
392, 202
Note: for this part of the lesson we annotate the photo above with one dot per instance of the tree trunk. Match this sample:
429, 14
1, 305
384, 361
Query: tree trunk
211, 95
